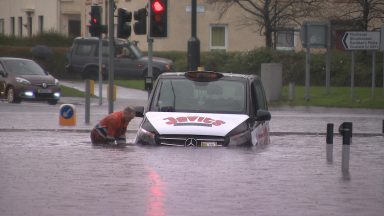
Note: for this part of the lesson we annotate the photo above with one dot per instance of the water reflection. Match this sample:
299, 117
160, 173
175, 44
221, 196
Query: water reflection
156, 195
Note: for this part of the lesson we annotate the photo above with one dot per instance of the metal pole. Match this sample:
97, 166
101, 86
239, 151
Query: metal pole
307, 66
328, 71
111, 30
352, 74
328, 60
87, 100
100, 72
373, 73
193, 42
150, 52
307, 73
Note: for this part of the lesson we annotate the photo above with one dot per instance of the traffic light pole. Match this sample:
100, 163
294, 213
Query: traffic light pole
149, 78
100, 72
193, 42
111, 43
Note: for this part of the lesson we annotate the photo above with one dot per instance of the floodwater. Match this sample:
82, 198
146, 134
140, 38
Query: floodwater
61, 173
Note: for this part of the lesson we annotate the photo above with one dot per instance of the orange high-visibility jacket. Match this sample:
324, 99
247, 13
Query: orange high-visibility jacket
114, 124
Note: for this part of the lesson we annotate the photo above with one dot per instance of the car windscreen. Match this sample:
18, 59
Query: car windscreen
184, 95
23, 67
135, 50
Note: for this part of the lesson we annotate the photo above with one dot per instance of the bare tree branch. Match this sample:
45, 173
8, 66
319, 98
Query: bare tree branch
269, 14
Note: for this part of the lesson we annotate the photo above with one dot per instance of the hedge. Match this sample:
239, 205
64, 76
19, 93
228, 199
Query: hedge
235, 62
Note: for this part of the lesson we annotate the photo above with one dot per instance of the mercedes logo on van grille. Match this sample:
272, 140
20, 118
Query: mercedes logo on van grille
44, 85
190, 142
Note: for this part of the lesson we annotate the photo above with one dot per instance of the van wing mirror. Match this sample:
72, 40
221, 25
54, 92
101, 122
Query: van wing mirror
2, 73
139, 111
263, 115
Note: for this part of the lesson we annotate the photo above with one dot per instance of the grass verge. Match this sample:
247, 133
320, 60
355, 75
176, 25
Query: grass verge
337, 97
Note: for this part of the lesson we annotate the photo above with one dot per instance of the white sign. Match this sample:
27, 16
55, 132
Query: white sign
361, 40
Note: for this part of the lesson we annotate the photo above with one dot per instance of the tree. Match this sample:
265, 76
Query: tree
268, 15
364, 12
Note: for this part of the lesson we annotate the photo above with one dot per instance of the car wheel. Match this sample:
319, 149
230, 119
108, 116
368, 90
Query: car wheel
11, 97
91, 73
155, 73
52, 102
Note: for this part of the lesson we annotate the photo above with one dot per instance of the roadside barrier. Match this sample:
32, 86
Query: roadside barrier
67, 115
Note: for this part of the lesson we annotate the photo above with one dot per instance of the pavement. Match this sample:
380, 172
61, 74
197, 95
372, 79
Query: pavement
39, 116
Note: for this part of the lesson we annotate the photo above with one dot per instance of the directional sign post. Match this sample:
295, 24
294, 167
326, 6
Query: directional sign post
360, 40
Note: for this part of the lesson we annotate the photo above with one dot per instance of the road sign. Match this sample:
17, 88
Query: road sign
67, 115
360, 40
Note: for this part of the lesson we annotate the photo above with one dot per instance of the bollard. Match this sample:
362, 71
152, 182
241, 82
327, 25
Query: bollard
346, 131
92, 87
67, 115
329, 142
114, 92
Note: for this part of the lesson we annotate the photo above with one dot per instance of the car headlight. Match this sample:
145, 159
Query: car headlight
56, 82
146, 134
22, 81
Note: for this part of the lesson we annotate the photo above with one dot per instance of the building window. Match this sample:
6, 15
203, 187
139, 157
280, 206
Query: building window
1, 26
20, 26
41, 24
218, 39
12, 25
29, 26
285, 40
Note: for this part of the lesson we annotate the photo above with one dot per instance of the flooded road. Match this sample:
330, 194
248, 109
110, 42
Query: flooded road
61, 173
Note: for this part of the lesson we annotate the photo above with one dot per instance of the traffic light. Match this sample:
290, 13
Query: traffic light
158, 19
140, 26
124, 18
95, 27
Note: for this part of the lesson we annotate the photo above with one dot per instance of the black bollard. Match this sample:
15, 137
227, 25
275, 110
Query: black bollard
329, 142
330, 133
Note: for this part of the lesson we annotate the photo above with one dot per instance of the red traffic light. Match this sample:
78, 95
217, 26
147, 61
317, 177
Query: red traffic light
158, 6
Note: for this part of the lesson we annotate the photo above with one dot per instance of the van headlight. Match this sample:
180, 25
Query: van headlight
56, 82
239, 135
146, 134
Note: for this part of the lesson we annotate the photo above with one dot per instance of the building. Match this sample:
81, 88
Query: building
71, 17
215, 32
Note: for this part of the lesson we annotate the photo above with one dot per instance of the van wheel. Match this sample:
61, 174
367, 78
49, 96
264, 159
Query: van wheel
155, 72
11, 97
90, 73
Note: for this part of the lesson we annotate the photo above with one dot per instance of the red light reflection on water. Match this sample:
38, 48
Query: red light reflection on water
156, 195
